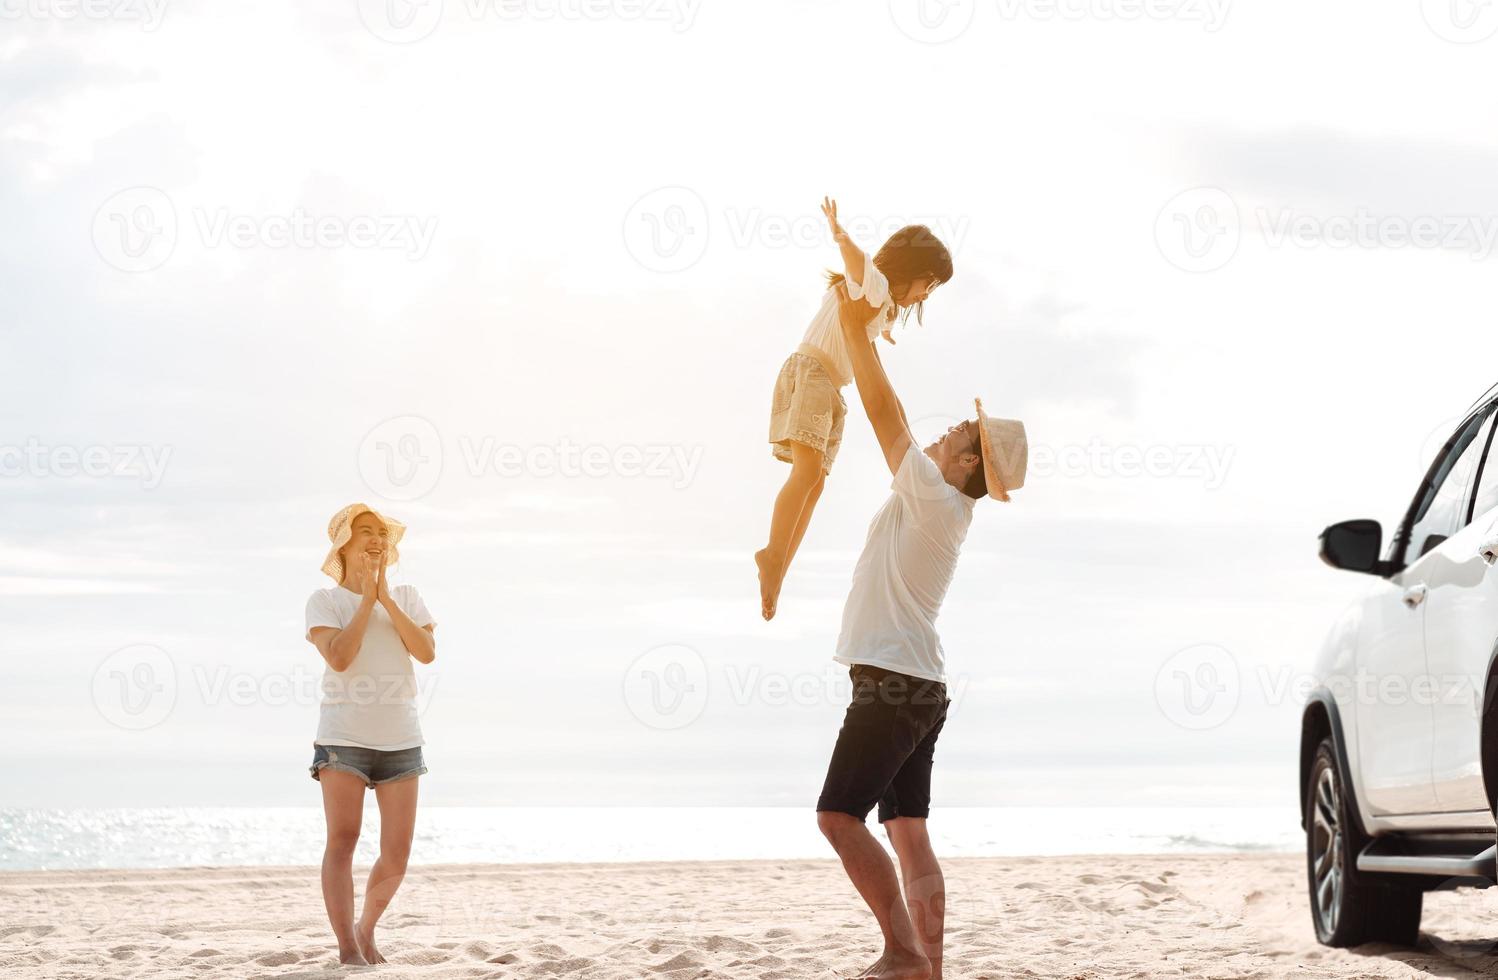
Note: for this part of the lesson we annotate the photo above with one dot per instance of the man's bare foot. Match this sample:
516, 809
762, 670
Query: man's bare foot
367, 945
900, 966
769, 583
350, 956
868, 971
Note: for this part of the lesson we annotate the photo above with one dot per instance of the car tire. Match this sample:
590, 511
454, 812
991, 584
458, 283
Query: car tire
1349, 909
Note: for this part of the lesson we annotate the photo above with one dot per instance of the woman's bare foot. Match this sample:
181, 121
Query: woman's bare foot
769, 583
350, 956
367, 944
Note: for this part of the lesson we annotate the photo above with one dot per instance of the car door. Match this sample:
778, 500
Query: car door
1461, 625
1396, 718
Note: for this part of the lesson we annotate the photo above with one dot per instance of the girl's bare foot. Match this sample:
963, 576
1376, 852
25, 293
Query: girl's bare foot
367, 945
769, 583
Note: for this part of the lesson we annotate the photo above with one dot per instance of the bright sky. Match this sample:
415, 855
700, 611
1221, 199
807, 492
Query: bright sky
522, 273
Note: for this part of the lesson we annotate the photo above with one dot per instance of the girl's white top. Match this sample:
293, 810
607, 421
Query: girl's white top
826, 335
373, 702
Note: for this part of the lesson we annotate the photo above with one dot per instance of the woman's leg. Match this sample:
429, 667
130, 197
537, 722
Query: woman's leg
793, 507
397, 802
343, 806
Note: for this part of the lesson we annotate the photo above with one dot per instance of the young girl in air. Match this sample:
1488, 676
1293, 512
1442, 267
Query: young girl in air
807, 412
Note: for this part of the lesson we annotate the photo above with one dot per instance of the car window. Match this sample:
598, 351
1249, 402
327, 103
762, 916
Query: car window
1442, 510
1487, 482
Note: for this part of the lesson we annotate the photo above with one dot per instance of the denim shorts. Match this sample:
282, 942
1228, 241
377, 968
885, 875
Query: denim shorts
376, 766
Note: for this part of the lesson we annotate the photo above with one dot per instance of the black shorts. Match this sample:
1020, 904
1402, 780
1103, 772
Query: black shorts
886, 745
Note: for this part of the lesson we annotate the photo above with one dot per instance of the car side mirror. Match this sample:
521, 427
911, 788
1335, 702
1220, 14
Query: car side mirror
1354, 546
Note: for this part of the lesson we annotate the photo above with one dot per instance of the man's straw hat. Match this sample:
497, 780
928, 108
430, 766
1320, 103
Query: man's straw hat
341, 529
1005, 453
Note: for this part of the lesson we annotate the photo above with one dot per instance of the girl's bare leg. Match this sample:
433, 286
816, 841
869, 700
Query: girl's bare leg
397, 802
793, 507
343, 806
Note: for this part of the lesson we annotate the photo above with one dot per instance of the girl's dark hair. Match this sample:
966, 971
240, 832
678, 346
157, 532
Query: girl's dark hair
911, 253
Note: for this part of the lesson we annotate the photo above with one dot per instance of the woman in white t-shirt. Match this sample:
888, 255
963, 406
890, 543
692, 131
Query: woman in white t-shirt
807, 409
368, 735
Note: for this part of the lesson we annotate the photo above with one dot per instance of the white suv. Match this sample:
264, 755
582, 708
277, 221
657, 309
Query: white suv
1399, 737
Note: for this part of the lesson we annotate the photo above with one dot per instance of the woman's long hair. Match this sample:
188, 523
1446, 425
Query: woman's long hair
909, 254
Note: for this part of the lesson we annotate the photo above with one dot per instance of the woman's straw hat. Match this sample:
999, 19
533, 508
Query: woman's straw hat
1005, 453
341, 529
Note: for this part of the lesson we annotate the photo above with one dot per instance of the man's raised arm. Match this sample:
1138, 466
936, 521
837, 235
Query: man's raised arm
879, 401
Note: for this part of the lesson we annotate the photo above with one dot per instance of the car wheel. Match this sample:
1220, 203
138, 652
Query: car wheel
1349, 908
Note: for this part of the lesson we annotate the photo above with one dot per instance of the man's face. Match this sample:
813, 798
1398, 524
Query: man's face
959, 440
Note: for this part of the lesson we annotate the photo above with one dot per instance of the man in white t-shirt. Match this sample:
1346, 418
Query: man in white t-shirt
885, 748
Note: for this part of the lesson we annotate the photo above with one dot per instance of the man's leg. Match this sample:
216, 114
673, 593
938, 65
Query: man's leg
903, 810
873, 874
925, 888
873, 745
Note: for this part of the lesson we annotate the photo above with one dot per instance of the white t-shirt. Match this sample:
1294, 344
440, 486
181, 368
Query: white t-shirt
826, 333
903, 573
372, 703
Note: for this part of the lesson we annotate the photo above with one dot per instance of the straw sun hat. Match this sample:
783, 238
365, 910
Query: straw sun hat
341, 529
1005, 453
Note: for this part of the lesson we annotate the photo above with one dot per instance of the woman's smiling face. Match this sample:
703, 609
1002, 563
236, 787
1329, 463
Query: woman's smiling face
368, 536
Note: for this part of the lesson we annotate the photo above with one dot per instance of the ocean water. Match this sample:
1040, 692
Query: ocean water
240, 836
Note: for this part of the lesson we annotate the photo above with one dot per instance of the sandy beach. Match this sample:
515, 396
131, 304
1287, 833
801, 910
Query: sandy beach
1082, 917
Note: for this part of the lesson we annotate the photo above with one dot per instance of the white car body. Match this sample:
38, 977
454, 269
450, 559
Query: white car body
1403, 678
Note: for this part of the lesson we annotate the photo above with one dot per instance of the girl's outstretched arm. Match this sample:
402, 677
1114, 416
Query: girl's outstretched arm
853, 257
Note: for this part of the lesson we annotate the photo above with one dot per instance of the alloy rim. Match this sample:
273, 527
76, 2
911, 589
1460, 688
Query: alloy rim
1326, 851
